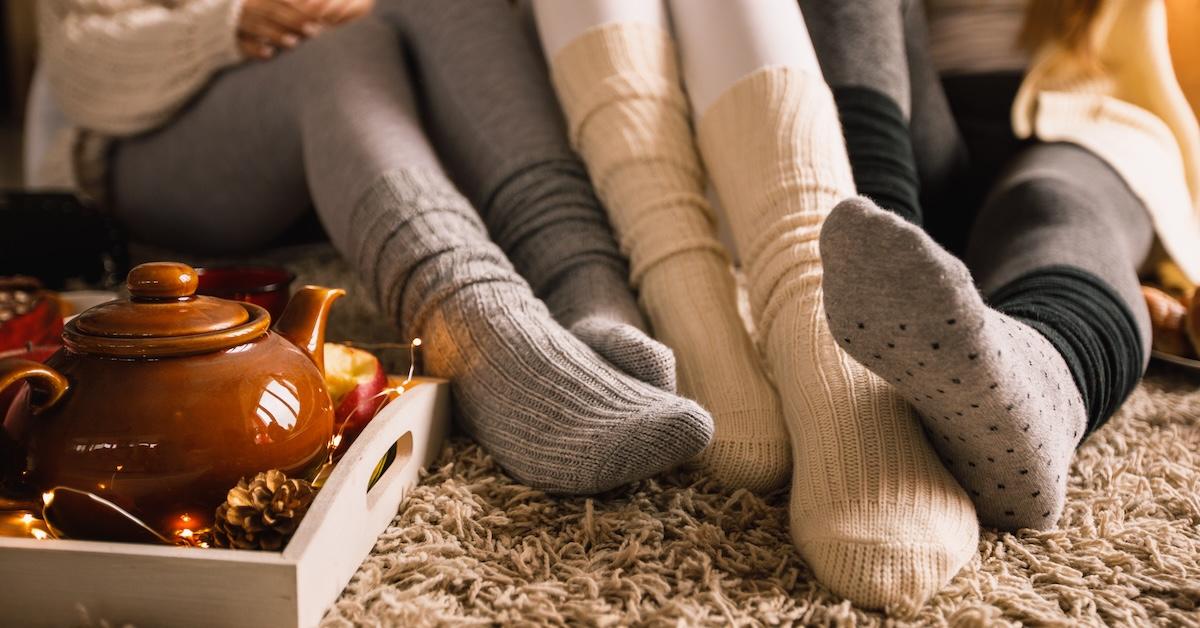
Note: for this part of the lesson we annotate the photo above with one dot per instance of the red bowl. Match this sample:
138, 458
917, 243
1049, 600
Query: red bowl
267, 286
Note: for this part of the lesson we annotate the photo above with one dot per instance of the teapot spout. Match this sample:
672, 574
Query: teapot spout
303, 322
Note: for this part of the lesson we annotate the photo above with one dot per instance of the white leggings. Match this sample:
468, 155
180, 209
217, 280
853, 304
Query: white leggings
719, 41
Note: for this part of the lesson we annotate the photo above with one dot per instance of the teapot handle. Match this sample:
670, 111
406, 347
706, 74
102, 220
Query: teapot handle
40, 376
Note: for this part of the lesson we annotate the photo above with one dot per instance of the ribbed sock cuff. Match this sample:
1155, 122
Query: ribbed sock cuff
418, 241
775, 154
619, 86
548, 220
1090, 326
880, 150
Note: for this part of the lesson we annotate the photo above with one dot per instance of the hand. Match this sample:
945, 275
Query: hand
266, 26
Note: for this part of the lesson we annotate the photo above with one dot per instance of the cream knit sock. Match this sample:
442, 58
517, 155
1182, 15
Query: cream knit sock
619, 86
873, 511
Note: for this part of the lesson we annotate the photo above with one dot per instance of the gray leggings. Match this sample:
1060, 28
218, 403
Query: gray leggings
268, 140
1061, 205
1056, 243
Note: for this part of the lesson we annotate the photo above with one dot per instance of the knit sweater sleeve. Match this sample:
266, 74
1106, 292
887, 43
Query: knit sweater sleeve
119, 67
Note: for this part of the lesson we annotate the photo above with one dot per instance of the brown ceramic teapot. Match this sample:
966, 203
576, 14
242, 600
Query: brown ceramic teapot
162, 401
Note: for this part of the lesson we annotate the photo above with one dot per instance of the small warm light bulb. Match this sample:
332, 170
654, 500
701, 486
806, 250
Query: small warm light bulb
26, 518
47, 497
186, 533
39, 534
416, 342
185, 518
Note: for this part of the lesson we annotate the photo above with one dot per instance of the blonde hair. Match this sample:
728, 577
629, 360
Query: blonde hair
1066, 22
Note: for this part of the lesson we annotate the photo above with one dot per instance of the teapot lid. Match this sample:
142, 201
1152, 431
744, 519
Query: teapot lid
164, 316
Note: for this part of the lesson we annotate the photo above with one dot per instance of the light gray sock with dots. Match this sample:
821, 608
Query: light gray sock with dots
997, 399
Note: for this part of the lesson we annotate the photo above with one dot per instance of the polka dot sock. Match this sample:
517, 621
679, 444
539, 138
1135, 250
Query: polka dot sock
997, 400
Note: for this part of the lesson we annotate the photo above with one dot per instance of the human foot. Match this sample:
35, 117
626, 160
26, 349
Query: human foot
594, 302
618, 86
997, 399
554, 414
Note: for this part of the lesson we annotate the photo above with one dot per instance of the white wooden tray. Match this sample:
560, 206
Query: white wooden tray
68, 583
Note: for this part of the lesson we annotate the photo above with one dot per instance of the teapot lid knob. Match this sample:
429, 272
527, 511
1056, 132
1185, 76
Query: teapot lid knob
162, 280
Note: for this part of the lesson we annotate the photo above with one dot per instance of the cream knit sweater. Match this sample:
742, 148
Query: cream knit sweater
1134, 115
121, 67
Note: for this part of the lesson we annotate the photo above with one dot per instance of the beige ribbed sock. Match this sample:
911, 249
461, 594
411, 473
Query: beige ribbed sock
619, 86
873, 511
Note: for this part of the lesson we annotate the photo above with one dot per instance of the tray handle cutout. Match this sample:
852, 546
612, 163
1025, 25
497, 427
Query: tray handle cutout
390, 468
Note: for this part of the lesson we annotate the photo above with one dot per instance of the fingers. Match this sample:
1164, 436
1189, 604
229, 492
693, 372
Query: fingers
289, 15
268, 26
255, 49
341, 11
275, 24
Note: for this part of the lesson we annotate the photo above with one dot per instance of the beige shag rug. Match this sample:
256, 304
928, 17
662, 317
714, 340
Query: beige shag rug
469, 546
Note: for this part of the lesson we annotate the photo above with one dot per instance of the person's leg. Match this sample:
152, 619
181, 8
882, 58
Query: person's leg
492, 115
1010, 382
938, 148
620, 89
873, 511
550, 410
861, 48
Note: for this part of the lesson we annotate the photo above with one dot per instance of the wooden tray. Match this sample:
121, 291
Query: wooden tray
1175, 359
68, 583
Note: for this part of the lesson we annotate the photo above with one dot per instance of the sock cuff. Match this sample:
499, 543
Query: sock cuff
1089, 324
880, 150
619, 86
775, 152
772, 133
548, 219
419, 241
614, 62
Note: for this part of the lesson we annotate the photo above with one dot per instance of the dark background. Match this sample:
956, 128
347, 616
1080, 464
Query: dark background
17, 54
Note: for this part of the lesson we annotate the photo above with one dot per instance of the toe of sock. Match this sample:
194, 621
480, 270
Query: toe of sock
889, 555
759, 466
848, 243
883, 575
844, 227
659, 438
629, 349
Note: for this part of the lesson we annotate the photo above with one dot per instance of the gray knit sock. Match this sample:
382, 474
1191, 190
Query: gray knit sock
551, 411
493, 116
609, 325
997, 399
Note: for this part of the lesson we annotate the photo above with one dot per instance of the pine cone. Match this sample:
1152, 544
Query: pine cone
262, 514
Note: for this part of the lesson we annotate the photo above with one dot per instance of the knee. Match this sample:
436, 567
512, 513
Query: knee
1040, 200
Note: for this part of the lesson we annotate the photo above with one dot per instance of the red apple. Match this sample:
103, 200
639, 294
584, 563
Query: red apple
356, 381
28, 314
